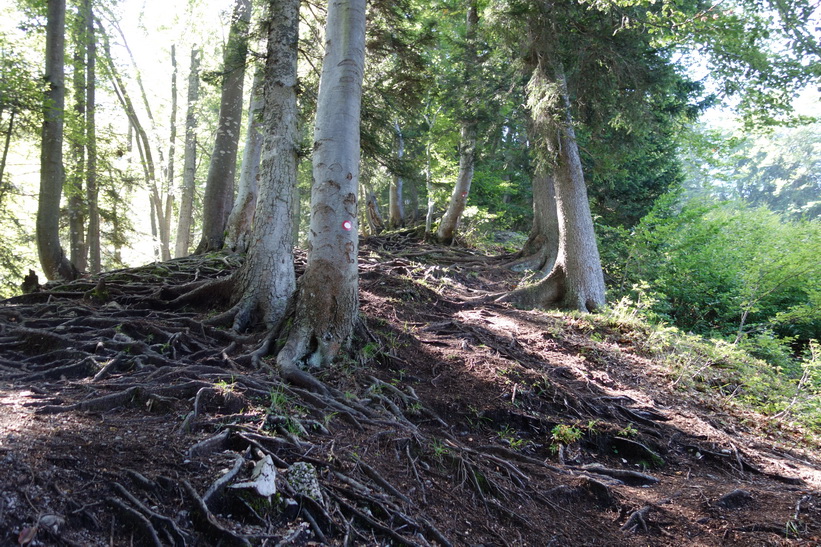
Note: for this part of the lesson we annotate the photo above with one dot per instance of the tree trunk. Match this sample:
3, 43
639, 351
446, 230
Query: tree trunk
172, 150
52, 258
6, 145
461, 190
430, 120
76, 178
327, 301
395, 204
542, 246
93, 236
467, 143
267, 280
576, 280
242, 215
190, 162
220, 183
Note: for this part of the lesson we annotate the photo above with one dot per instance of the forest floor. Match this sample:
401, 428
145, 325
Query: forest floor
126, 419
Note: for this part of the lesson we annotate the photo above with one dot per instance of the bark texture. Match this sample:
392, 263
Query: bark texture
267, 281
467, 143
92, 192
219, 185
395, 203
576, 280
242, 215
189, 169
53, 260
327, 300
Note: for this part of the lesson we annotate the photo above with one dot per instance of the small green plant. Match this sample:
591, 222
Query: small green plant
628, 432
565, 434
509, 435
279, 400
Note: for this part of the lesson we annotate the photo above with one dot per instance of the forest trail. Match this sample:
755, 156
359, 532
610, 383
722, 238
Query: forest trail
126, 420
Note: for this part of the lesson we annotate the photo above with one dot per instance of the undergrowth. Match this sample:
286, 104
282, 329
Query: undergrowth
785, 390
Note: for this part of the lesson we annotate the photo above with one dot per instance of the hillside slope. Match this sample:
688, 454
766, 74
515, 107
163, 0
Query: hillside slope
125, 418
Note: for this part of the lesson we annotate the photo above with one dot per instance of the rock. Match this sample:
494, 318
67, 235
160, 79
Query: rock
734, 499
303, 479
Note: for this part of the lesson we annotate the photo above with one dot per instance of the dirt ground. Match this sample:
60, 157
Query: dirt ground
127, 419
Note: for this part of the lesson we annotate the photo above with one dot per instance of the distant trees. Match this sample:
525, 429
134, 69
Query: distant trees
219, 187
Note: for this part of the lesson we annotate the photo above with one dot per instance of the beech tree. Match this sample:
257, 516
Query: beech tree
52, 174
327, 298
189, 169
242, 214
219, 185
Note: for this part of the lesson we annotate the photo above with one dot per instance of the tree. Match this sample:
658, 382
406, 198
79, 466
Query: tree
266, 282
52, 174
327, 298
189, 169
219, 185
467, 143
92, 197
242, 215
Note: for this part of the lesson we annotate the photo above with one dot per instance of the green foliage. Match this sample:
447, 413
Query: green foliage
563, 434
730, 269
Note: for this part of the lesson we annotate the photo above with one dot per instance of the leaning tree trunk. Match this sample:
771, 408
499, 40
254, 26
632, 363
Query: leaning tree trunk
467, 143
459, 198
267, 280
576, 280
189, 169
242, 215
327, 300
52, 258
220, 182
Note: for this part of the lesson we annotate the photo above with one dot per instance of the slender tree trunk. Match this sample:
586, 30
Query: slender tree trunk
76, 178
458, 199
430, 120
220, 183
576, 280
190, 161
267, 280
467, 143
52, 258
172, 150
327, 301
92, 197
6, 145
395, 203
242, 215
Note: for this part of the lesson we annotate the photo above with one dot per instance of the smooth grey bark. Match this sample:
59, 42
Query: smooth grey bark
267, 281
459, 197
220, 182
172, 150
327, 300
53, 260
75, 184
190, 160
242, 215
467, 143
396, 206
576, 280
92, 192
